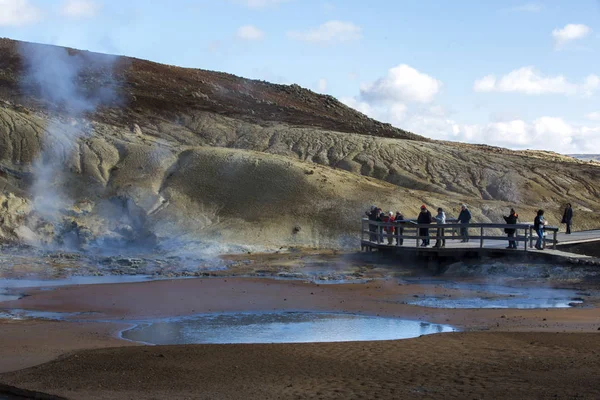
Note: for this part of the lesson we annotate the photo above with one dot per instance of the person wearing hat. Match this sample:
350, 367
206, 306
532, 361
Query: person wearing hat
389, 229
424, 218
464, 218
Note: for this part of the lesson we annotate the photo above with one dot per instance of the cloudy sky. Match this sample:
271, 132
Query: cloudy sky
510, 73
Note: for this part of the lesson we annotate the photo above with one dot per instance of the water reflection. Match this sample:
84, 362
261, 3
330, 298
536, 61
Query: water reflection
279, 328
478, 302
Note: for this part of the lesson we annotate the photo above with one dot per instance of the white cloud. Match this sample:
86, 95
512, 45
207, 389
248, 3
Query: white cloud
401, 84
322, 85
529, 81
358, 105
593, 116
528, 7
485, 84
18, 13
249, 32
544, 133
569, 33
331, 32
590, 85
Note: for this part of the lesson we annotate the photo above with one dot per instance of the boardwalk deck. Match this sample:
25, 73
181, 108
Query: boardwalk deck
484, 239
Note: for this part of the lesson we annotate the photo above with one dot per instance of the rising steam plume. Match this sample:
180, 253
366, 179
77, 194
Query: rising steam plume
72, 85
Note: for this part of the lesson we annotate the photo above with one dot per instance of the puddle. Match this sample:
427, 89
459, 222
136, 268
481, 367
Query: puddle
8, 286
297, 327
74, 280
8, 297
499, 296
478, 302
18, 314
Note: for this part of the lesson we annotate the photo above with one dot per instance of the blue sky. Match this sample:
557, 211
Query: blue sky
518, 74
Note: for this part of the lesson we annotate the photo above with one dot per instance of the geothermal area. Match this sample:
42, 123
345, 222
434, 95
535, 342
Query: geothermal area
171, 233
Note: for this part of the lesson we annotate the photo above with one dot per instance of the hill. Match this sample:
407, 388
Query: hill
106, 151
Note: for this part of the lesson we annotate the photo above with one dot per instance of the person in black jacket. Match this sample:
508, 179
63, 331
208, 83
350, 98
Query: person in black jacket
373, 214
399, 221
568, 217
511, 220
424, 218
464, 217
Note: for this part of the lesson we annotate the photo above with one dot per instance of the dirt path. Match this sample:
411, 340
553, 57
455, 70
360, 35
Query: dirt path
445, 366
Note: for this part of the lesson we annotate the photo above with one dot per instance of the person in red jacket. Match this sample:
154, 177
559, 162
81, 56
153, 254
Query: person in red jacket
389, 230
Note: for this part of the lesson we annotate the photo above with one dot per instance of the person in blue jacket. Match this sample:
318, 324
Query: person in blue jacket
464, 218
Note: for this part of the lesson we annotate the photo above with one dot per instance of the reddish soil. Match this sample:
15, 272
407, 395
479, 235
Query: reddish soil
156, 91
507, 354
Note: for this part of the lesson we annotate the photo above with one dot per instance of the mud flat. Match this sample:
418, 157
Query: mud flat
511, 353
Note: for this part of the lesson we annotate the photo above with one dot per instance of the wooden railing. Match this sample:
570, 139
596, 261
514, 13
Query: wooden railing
397, 233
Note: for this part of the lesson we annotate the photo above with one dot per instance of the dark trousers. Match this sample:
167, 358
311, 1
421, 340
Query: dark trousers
399, 240
464, 232
373, 236
511, 243
440, 241
568, 228
424, 232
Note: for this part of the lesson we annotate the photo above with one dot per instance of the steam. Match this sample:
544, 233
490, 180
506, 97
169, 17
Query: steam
71, 85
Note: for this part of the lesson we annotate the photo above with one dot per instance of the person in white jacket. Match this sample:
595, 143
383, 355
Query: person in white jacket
440, 218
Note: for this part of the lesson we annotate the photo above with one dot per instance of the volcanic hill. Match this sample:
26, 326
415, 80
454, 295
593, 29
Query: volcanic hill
103, 149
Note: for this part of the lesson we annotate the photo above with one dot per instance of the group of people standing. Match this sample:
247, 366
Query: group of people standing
425, 217
395, 230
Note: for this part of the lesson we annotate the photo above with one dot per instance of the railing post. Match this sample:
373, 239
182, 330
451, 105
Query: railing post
481, 238
525, 242
362, 234
530, 236
417, 236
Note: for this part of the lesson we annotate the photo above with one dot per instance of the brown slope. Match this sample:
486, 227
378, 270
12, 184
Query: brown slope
165, 91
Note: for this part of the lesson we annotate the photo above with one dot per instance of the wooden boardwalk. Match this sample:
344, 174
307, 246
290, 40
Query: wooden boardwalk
484, 239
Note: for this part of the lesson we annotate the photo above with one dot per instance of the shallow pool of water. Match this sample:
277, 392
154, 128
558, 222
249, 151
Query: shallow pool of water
297, 327
499, 296
478, 302
8, 287
73, 280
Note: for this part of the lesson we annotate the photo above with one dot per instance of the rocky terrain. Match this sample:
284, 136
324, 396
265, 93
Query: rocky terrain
107, 152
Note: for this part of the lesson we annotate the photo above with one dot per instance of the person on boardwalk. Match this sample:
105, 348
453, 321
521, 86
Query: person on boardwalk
510, 232
373, 214
380, 218
424, 218
464, 218
538, 224
440, 218
389, 229
568, 217
399, 228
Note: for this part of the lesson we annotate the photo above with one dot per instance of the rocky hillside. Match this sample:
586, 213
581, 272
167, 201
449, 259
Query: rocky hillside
108, 151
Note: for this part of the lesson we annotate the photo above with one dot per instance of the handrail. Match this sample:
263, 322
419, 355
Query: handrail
378, 231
